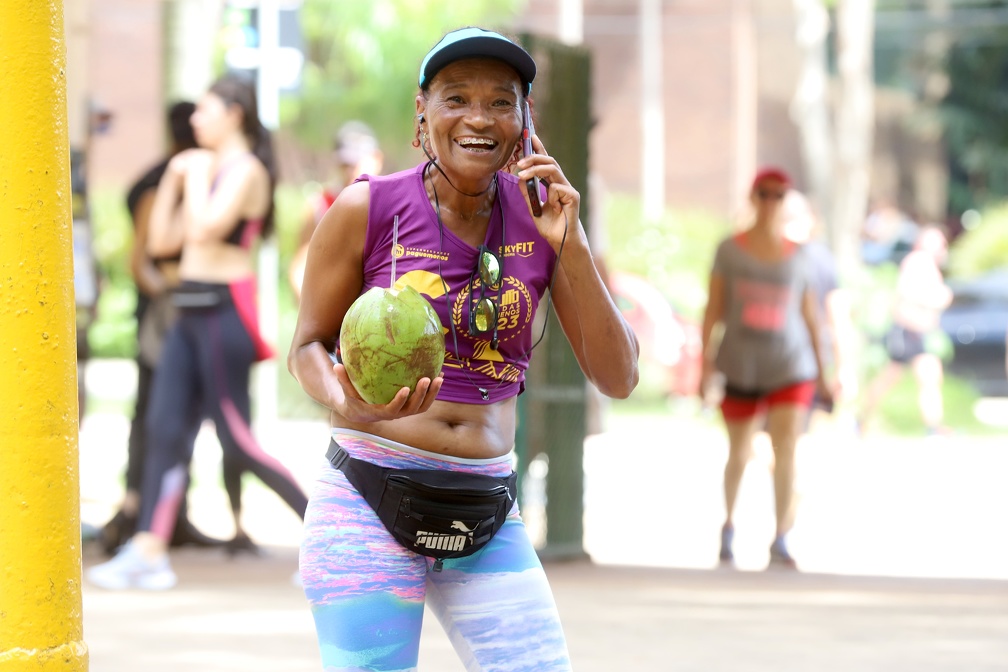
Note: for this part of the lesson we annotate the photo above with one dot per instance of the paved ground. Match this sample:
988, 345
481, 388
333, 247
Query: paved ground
230, 616
903, 544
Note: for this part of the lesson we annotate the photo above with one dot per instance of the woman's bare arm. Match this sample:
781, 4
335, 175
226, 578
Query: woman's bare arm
242, 191
603, 343
333, 280
166, 232
146, 275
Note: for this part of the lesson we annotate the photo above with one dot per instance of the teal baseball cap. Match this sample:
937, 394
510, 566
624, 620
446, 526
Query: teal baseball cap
477, 43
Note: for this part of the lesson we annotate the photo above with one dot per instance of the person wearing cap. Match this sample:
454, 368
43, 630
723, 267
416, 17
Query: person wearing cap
462, 229
769, 354
837, 331
356, 152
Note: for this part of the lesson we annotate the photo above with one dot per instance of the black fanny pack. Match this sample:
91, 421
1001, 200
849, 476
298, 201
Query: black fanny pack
440, 514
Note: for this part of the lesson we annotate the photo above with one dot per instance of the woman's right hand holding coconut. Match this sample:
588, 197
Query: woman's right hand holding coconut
346, 400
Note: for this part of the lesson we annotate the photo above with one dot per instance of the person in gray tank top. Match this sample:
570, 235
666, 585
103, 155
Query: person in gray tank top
769, 351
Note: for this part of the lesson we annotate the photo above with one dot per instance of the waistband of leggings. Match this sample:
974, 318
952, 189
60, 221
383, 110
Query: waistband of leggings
387, 453
191, 294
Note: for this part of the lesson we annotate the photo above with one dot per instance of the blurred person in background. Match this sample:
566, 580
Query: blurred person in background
838, 334
921, 297
154, 277
887, 234
87, 277
226, 188
762, 295
356, 152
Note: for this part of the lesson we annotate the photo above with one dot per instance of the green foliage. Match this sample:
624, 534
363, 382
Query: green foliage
965, 45
675, 254
113, 333
292, 401
362, 60
983, 248
900, 414
973, 114
872, 291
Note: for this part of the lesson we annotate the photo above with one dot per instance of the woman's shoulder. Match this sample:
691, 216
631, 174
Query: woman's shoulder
246, 169
354, 194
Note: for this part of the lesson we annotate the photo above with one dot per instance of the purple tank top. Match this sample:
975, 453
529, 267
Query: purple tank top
429, 261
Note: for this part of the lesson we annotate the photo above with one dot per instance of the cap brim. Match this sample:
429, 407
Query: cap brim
479, 45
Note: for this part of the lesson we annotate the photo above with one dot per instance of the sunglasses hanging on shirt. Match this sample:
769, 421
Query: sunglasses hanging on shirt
484, 312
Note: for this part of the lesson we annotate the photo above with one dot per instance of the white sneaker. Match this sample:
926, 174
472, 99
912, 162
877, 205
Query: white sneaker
129, 569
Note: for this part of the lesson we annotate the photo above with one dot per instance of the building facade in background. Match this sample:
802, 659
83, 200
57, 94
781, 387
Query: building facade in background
728, 70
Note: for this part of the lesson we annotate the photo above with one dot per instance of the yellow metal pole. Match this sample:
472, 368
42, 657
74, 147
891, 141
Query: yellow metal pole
40, 545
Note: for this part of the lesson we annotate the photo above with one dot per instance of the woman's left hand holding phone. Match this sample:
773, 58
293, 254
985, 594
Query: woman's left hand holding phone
562, 206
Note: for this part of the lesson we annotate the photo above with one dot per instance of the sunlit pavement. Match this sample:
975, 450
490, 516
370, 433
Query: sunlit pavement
902, 543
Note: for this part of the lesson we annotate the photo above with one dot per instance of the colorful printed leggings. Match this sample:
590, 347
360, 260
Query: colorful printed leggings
367, 592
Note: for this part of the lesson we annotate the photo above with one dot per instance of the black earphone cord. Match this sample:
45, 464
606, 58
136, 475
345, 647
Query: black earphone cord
484, 392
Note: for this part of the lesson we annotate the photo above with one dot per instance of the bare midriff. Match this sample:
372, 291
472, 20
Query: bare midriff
916, 317
215, 262
474, 431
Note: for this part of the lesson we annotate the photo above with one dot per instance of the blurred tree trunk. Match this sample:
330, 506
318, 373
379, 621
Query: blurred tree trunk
837, 156
810, 105
855, 124
930, 167
190, 27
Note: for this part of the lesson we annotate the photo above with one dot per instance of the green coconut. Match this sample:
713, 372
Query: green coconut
390, 339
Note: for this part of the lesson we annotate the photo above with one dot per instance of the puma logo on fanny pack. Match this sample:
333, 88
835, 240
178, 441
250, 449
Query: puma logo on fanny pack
437, 541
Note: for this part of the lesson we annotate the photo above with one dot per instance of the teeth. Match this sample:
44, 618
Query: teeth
469, 142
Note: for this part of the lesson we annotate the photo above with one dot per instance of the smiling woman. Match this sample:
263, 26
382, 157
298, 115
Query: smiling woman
458, 228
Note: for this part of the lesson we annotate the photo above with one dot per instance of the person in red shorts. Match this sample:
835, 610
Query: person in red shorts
761, 294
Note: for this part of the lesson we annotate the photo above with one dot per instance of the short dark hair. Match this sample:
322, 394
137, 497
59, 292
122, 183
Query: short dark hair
178, 124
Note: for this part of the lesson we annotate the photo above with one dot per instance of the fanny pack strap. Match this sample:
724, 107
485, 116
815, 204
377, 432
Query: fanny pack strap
368, 479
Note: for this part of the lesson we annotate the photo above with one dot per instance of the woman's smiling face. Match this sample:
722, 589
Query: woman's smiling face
473, 113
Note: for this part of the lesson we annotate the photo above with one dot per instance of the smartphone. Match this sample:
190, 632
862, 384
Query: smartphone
531, 186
